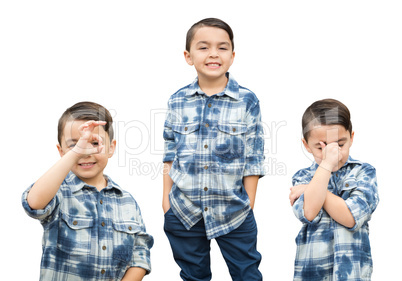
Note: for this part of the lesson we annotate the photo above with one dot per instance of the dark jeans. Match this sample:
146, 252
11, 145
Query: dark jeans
191, 249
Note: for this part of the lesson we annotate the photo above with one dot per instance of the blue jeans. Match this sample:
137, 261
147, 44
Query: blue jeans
191, 249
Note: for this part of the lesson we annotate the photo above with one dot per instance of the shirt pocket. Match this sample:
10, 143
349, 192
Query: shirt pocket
124, 233
230, 140
186, 137
347, 187
74, 235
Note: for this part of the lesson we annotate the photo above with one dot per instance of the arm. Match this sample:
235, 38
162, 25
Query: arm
167, 186
295, 192
337, 209
250, 184
334, 205
46, 187
316, 194
134, 274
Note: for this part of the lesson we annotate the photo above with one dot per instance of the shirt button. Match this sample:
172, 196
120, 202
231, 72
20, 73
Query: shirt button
103, 271
103, 223
206, 209
130, 228
75, 222
206, 167
209, 105
206, 146
205, 188
347, 185
104, 248
207, 125
185, 128
101, 201
234, 130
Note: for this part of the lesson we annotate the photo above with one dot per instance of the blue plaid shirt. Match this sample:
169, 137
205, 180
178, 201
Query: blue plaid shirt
327, 250
91, 234
213, 141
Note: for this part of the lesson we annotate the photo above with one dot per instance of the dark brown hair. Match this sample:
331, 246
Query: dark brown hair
326, 112
86, 111
211, 22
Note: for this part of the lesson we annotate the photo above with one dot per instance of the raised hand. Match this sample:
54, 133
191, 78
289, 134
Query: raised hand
89, 142
331, 156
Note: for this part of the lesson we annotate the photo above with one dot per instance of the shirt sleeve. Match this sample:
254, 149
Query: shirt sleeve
168, 136
303, 177
41, 214
142, 245
361, 195
254, 143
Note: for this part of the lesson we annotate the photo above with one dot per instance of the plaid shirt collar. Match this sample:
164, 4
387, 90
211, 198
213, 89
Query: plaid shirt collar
77, 184
231, 89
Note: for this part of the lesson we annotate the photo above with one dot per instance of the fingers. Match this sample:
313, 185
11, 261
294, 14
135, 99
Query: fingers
90, 125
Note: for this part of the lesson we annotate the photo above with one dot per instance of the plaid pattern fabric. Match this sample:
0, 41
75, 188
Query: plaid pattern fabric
91, 235
213, 141
327, 250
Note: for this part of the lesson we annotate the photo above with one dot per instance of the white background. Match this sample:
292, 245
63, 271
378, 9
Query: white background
128, 56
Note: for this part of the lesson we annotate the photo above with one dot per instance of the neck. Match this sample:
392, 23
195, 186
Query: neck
212, 86
100, 182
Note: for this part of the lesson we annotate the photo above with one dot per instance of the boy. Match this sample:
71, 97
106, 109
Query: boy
214, 155
337, 197
93, 229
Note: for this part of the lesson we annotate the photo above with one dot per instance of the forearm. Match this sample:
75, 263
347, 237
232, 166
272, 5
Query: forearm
134, 274
250, 185
337, 209
316, 193
46, 187
167, 186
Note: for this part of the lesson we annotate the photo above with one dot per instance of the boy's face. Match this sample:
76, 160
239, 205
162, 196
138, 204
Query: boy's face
211, 53
90, 168
329, 134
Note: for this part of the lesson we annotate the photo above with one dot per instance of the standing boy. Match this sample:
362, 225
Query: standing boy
213, 159
93, 229
338, 195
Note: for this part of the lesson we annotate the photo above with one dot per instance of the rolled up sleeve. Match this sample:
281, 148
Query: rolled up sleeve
41, 214
168, 136
363, 198
254, 143
142, 246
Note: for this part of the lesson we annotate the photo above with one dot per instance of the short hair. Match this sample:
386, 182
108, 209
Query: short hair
211, 22
326, 112
86, 111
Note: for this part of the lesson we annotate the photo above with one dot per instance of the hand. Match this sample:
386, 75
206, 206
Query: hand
331, 155
295, 192
89, 143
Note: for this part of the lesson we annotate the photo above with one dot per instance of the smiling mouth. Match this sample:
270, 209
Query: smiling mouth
214, 65
87, 165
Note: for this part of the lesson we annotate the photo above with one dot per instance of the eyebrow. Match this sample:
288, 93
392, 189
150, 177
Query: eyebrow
338, 141
71, 140
208, 43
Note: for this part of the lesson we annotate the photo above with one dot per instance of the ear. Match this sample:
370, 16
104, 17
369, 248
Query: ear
233, 56
352, 136
112, 148
187, 57
61, 152
306, 146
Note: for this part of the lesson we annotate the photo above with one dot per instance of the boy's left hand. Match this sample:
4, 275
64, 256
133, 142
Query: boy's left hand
295, 192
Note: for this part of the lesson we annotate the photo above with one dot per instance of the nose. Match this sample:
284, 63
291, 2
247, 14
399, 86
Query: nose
214, 53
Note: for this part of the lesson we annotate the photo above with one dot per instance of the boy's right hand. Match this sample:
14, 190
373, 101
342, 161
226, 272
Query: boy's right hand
89, 143
331, 156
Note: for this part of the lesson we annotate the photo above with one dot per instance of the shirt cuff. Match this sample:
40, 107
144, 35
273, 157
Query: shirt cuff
254, 166
298, 210
360, 211
40, 214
